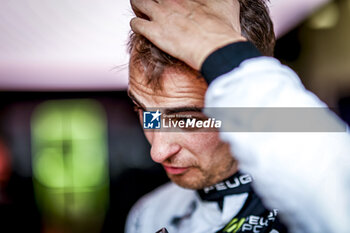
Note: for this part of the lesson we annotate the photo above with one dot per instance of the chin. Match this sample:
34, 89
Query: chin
188, 182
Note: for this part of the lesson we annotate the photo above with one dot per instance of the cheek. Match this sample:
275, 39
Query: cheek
211, 153
202, 143
149, 136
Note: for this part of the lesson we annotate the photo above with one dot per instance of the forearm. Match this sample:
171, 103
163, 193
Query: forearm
305, 175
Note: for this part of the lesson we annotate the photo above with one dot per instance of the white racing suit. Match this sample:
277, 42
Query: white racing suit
227, 207
305, 175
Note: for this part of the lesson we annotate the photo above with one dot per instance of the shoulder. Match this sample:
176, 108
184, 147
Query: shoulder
168, 194
154, 210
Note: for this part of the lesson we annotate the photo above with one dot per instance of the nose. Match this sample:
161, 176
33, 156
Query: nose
163, 146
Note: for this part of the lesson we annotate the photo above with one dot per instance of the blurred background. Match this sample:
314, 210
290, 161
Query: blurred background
73, 157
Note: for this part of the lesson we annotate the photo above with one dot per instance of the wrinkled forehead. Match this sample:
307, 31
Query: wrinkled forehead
140, 80
177, 87
155, 65
171, 76
138, 83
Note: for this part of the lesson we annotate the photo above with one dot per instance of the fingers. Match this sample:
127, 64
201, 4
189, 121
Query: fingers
144, 8
141, 26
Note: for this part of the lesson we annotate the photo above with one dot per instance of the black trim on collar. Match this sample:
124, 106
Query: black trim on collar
227, 58
236, 184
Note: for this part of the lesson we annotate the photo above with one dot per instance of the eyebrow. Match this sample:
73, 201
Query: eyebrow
138, 103
168, 111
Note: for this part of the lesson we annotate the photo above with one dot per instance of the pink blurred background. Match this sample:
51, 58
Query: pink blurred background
81, 44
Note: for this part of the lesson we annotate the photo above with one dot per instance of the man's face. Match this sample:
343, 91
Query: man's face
191, 159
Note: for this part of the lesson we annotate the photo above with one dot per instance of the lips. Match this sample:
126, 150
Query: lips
175, 170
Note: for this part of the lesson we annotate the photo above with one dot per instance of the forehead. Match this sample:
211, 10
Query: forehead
178, 88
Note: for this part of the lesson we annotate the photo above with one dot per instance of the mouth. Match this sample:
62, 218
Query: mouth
175, 170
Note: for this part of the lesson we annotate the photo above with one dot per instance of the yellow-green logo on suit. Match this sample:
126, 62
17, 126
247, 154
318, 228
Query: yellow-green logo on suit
234, 225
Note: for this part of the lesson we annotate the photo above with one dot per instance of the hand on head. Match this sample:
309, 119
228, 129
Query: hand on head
188, 29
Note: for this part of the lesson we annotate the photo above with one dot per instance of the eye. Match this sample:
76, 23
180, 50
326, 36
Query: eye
139, 111
136, 108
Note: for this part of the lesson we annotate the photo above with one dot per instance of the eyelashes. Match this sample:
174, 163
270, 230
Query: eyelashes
137, 109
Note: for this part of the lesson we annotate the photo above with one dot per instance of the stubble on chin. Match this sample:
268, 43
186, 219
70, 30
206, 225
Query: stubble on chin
190, 180
198, 179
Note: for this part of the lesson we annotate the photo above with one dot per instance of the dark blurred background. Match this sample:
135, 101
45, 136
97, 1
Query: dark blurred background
73, 157
71, 161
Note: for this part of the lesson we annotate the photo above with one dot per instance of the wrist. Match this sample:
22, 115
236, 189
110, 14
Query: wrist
207, 50
227, 58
